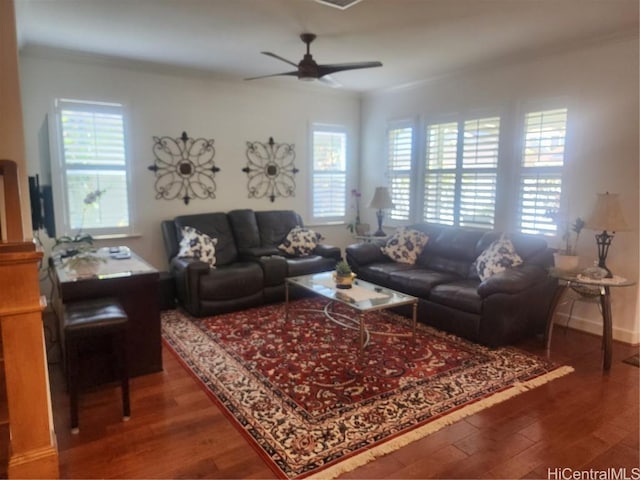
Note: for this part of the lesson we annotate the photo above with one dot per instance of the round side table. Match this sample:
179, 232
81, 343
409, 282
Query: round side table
603, 287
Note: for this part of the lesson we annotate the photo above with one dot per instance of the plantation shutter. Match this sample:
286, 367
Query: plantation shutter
541, 170
329, 175
461, 168
399, 160
440, 176
480, 170
94, 159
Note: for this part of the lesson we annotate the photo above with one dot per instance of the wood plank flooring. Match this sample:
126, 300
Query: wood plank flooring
586, 420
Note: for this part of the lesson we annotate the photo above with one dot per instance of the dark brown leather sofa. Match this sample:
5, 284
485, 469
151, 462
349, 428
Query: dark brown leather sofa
250, 269
498, 311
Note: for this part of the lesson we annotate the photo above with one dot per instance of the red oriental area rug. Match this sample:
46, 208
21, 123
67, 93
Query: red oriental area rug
301, 394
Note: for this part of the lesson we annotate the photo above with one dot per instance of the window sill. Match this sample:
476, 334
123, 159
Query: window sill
117, 236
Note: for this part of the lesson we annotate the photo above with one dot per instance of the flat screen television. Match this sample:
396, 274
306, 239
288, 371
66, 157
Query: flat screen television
42, 215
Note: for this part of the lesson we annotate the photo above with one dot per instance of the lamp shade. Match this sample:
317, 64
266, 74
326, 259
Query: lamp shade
381, 199
607, 214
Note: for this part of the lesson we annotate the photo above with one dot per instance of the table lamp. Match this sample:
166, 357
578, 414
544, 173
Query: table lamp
381, 200
606, 216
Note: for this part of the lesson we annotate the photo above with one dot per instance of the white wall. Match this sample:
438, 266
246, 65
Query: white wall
600, 85
167, 103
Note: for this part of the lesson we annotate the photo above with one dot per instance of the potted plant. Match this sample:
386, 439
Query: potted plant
566, 258
343, 276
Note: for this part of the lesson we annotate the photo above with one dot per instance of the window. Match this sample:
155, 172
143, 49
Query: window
541, 170
399, 160
329, 174
461, 168
93, 159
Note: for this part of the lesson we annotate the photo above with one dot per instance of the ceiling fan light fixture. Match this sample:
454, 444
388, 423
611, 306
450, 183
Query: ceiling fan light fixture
309, 69
341, 4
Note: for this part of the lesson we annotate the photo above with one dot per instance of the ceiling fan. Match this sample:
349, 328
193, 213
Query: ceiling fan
308, 69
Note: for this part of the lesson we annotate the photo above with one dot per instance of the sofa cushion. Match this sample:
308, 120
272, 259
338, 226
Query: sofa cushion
497, 257
405, 245
300, 242
461, 294
309, 264
198, 245
452, 250
419, 282
245, 228
274, 225
379, 272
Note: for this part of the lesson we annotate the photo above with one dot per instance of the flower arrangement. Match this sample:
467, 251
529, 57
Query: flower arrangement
91, 199
352, 227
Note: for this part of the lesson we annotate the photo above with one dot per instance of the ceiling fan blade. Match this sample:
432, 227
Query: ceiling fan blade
341, 67
294, 74
279, 58
329, 81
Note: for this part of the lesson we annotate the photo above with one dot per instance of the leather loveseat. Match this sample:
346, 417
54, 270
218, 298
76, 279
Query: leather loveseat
500, 310
249, 267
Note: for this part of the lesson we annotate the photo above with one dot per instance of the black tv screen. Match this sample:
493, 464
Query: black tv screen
42, 215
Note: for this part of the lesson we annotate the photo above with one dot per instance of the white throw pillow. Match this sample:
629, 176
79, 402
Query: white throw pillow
497, 257
198, 245
300, 242
405, 245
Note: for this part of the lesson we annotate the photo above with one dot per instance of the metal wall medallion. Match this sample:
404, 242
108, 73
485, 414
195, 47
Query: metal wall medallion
184, 168
270, 170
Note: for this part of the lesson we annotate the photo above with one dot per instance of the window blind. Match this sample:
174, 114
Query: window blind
329, 183
399, 161
94, 160
461, 172
541, 170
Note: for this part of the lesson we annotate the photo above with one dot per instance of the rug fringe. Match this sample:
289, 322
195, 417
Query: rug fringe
403, 440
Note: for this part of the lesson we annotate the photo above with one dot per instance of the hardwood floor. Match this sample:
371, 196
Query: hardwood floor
585, 420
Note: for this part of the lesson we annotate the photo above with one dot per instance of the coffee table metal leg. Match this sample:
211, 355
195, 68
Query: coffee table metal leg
286, 300
362, 339
415, 316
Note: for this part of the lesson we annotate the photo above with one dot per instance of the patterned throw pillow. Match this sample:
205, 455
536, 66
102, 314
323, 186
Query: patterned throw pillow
497, 257
300, 242
198, 245
405, 245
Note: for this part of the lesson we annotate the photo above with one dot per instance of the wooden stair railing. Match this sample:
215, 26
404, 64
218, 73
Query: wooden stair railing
32, 450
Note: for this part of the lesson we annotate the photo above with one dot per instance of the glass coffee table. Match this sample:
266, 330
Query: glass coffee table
363, 297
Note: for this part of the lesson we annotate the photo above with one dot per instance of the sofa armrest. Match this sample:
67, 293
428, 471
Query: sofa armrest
274, 269
512, 280
187, 273
328, 251
361, 254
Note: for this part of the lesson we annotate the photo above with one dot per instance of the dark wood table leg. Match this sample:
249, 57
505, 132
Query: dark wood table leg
607, 327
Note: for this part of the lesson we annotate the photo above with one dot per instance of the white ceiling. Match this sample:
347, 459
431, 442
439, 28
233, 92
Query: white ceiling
414, 39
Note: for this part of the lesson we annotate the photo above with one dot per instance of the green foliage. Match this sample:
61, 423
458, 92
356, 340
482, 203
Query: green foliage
343, 268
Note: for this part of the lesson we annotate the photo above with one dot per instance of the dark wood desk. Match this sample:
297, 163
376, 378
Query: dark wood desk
135, 283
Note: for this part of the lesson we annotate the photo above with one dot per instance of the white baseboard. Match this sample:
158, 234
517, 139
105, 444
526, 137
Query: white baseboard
595, 327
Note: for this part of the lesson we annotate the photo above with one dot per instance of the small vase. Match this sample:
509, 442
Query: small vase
362, 229
344, 281
566, 263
